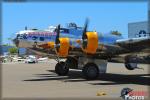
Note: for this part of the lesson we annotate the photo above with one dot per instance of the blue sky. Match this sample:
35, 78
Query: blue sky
104, 16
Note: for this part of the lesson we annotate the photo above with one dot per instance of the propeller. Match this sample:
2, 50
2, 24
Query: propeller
57, 42
89, 40
61, 44
84, 36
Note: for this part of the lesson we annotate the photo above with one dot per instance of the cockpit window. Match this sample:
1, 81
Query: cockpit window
20, 36
63, 30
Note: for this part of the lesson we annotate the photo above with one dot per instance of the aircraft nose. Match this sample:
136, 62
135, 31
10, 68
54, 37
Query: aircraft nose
16, 42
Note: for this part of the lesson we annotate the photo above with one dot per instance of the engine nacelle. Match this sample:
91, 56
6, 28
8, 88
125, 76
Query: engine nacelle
90, 43
63, 48
51, 44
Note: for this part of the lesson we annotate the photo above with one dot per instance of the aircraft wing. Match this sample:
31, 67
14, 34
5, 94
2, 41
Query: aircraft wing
134, 44
121, 47
47, 45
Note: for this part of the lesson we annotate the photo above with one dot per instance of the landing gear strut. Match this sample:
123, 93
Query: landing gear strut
62, 68
91, 68
72, 62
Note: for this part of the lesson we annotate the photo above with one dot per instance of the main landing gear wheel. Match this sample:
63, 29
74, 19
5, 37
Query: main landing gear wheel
131, 62
90, 71
61, 68
131, 66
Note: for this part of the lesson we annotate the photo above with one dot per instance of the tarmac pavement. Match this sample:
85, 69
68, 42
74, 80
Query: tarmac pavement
39, 81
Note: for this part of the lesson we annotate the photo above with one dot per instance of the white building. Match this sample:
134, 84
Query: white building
138, 29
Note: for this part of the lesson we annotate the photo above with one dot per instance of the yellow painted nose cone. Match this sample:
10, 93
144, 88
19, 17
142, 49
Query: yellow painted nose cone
100, 94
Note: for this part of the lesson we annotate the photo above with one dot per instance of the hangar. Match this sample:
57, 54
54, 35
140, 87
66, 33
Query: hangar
138, 29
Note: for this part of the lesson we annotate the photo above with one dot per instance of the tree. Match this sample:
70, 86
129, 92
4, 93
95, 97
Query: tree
116, 33
13, 50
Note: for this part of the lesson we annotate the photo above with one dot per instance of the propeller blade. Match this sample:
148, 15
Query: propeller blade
84, 36
57, 37
85, 28
57, 34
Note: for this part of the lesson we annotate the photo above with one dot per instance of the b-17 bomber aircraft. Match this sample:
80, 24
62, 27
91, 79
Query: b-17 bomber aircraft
45, 39
86, 50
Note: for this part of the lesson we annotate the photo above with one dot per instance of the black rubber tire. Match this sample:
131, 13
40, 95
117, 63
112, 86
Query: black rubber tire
127, 65
130, 59
90, 71
61, 69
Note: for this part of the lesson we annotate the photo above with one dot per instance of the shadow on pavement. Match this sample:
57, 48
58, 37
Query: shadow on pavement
104, 79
